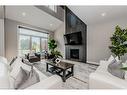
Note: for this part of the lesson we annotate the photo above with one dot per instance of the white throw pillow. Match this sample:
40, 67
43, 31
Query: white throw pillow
117, 59
104, 64
111, 58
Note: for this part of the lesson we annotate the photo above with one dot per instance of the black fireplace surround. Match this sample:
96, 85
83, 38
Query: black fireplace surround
73, 25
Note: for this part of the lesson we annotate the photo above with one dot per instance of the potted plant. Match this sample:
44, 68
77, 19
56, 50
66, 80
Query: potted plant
119, 42
53, 54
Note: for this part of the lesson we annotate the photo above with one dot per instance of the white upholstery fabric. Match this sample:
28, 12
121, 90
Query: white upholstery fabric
3, 60
102, 79
48, 83
106, 81
4, 79
111, 58
7, 81
41, 75
11, 80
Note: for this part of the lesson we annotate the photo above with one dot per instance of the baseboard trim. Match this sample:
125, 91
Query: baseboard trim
93, 63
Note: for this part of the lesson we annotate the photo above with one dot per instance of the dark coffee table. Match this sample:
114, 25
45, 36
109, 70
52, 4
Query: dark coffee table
63, 69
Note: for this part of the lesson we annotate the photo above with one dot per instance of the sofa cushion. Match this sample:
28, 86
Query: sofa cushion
114, 69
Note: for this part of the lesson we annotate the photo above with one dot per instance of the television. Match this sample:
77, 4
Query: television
73, 38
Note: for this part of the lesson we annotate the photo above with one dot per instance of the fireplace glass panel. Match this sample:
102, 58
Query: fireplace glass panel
74, 53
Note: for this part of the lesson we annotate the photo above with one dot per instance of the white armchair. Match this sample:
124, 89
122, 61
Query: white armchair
102, 79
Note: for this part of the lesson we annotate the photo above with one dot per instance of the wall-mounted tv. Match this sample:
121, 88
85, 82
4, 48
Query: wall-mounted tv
73, 38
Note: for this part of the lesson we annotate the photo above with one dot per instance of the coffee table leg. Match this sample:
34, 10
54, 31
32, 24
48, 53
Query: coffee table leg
64, 75
72, 70
46, 67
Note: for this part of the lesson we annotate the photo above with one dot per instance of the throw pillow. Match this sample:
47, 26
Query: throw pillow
16, 68
111, 58
21, 78
32, 79
117, 59
114, 69
25, 78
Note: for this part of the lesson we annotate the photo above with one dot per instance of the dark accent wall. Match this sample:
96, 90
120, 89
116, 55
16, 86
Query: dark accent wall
76, 25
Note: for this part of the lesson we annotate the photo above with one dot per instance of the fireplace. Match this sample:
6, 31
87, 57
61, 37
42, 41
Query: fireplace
74, 53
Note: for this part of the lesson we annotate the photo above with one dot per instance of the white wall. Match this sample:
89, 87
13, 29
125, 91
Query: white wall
2, 31
58, 36
1, 37
98, 39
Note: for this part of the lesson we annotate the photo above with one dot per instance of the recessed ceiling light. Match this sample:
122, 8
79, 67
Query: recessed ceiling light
23, 14
103, 14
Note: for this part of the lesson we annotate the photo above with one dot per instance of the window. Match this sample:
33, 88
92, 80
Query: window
32, 40
35, 44
24, 46
44, 44
52, 7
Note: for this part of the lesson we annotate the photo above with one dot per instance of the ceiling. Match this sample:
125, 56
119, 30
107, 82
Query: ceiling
33, 16
98, 14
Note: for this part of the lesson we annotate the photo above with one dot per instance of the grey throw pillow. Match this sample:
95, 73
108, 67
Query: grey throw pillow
21, 78
25, 78
32, 79
114, 69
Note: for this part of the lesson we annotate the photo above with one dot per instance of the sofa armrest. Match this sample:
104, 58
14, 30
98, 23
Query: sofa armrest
3, 60
48, 83
106, 81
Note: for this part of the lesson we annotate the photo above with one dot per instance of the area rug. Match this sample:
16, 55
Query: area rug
78, 81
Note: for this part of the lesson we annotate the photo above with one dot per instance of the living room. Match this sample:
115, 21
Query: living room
66, 45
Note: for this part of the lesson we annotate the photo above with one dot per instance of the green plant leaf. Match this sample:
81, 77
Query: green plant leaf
119, 42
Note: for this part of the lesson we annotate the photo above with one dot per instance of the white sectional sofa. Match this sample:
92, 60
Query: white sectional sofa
7, 82
102, 79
